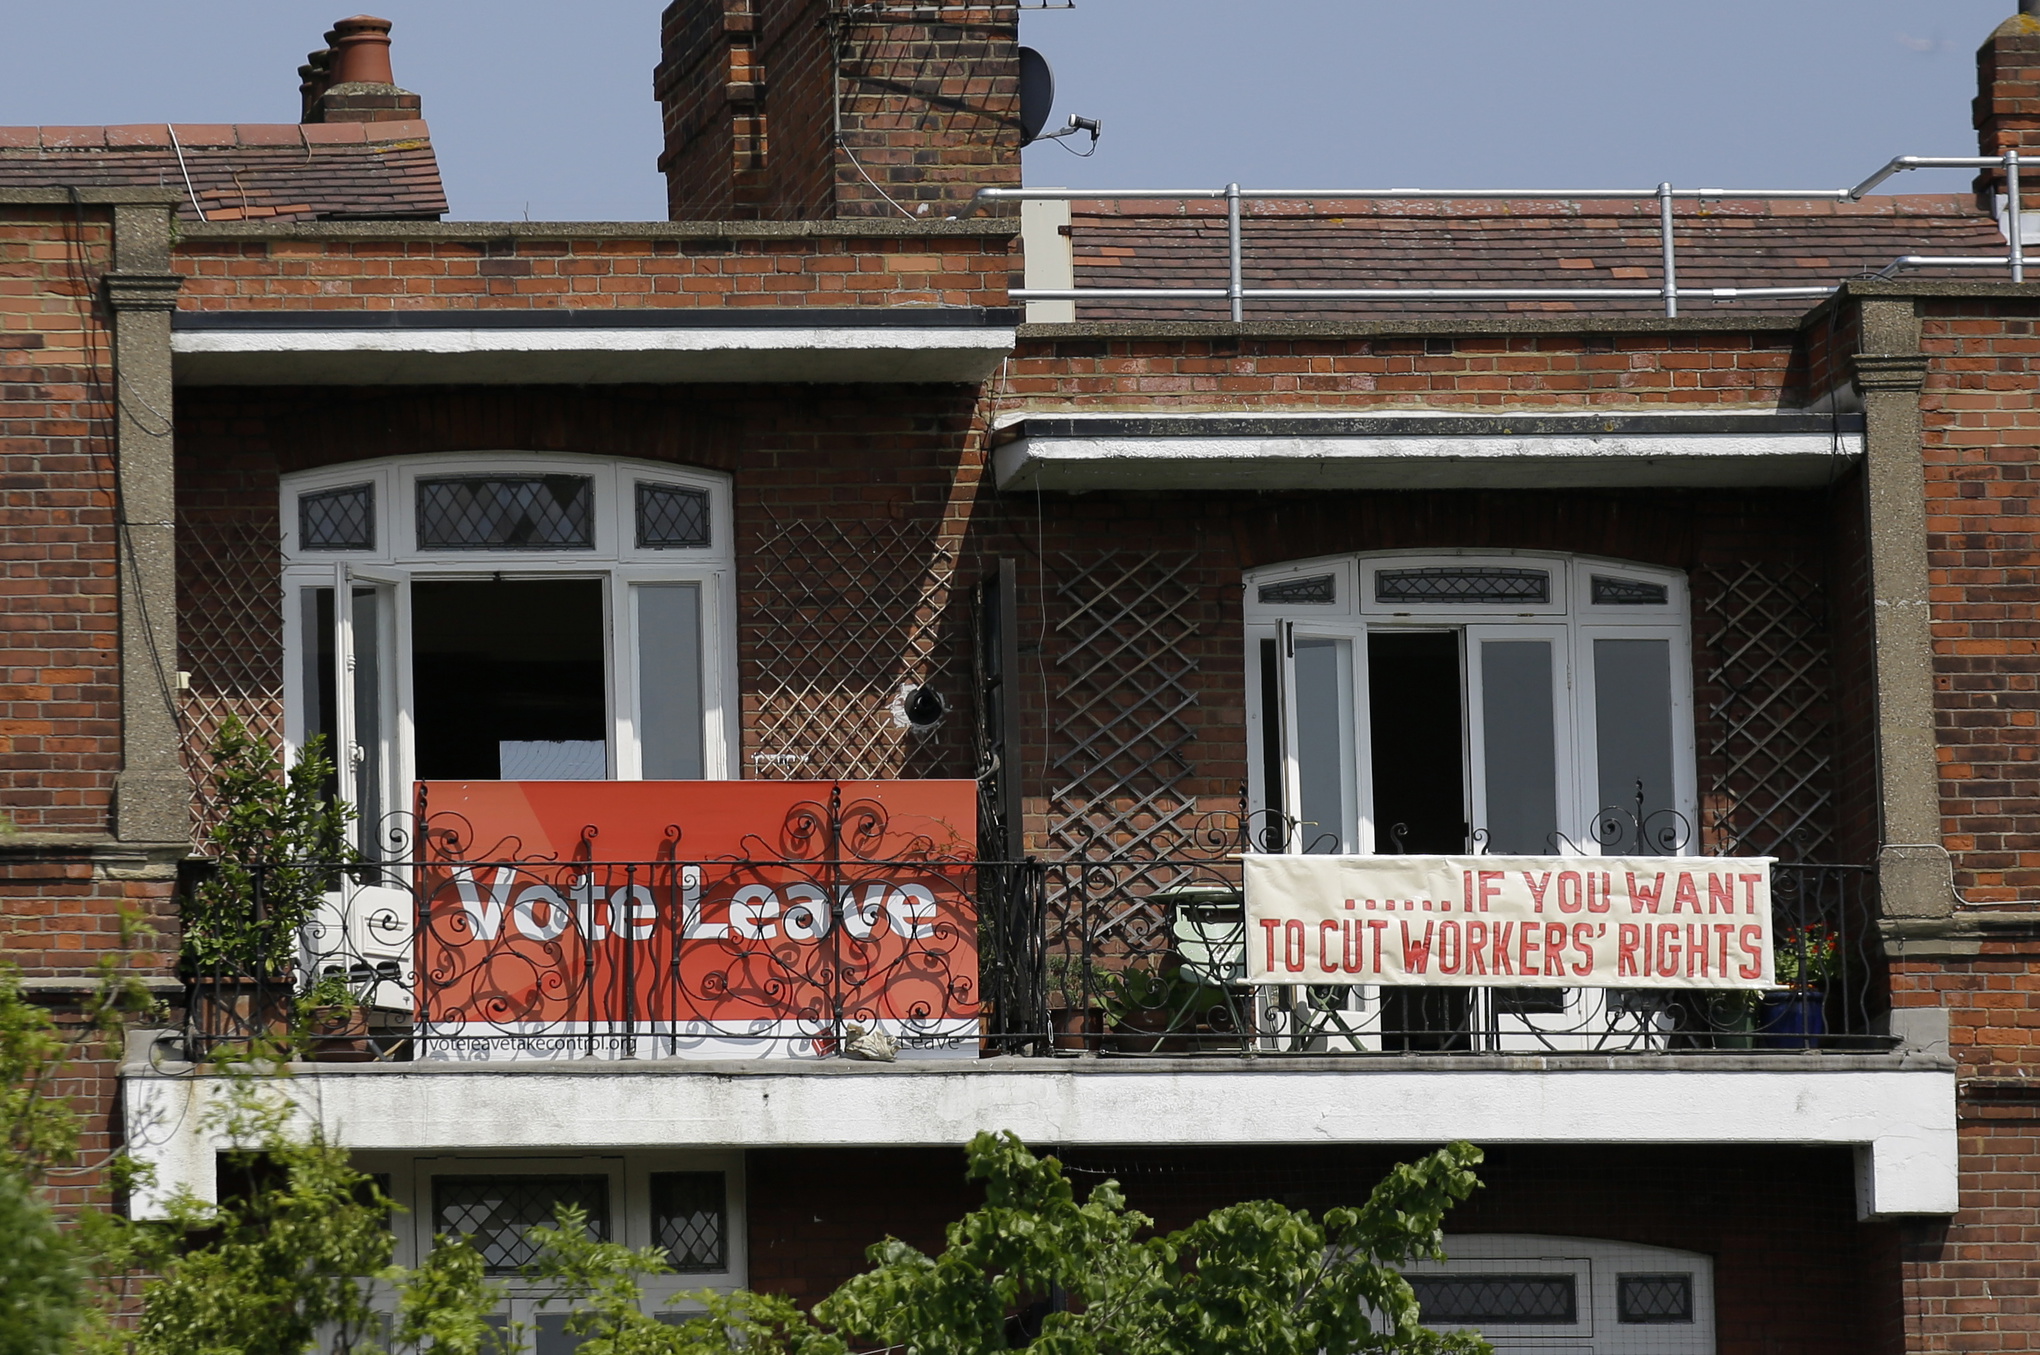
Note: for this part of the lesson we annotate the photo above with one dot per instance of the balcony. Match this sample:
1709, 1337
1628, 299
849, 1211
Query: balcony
853, 976
858, 940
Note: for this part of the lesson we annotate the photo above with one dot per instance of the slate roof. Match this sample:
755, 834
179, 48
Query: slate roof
322, 171
1475, 243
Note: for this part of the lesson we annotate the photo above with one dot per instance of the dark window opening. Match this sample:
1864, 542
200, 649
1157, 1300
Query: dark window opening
1414, 707
1654, 1298
1426, 1020
1460, 583
669, 516
1275, 836
1318, 589
1530, 1001
337, 519
510, 680
690, 1220
497, 1213
1498, 1300
506, 512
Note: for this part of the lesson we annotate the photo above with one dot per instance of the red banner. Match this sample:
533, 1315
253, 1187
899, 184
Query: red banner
696, 918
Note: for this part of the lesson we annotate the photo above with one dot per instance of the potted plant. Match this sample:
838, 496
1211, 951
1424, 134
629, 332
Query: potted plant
330, 1023
1165, 1006
1074, 1024
1796, 1017
278, 843
1731, 1017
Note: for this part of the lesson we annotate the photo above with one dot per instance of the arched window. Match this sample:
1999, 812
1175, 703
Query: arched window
509, 616
1449, 702
1580, 1296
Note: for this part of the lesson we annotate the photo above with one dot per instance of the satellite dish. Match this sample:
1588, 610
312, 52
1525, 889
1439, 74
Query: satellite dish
1037, 93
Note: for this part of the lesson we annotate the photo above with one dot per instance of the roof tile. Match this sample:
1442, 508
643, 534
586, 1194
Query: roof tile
269, 133
191, 134
138, 134
60, 137
296, 173
1540, 243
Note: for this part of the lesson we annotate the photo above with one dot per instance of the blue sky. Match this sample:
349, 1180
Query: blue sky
546, 110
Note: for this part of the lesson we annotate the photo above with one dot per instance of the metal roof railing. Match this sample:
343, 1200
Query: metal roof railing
1668, 291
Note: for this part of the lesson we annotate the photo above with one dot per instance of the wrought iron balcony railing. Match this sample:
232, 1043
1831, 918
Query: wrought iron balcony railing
444, 958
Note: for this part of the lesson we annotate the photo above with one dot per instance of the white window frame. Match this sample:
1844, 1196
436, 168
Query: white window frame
395, 562
630, 1212
1597, 1266
1569, 613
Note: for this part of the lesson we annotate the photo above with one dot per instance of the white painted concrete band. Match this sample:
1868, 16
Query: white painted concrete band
1514, 462
587, 356
1903, 1120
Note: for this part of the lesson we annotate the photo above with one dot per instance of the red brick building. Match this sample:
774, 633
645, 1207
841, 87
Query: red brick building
1676, 524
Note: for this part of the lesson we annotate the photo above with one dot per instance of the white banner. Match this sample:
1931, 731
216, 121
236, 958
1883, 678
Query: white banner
1510, 921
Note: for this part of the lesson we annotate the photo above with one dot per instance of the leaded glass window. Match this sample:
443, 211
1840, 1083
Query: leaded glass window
1655, 1298
690, 1220
1318, 588
1614, 592
1463, 584
671, 516
497, 1213
506, 512
337, 519
1498, 1300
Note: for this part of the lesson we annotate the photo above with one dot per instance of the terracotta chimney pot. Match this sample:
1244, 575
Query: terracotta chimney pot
361, 52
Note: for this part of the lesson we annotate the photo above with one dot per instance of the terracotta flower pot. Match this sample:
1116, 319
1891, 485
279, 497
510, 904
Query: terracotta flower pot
236, 1015
338, 1035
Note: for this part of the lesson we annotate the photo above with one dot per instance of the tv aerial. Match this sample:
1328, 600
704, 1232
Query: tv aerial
1037, 98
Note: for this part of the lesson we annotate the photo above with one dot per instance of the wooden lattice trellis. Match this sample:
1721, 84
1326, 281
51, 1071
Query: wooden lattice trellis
842, 616
229, 639
1764, 629
1117, 780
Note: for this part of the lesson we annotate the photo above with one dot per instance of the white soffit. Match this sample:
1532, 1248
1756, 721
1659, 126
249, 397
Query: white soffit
1427, 452
824, 346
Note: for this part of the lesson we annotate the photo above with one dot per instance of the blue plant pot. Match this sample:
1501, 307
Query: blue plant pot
1792, 1020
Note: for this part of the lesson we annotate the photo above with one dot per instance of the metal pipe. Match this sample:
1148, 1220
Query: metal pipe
1232, 249
1412, 293
1670, 249
1392, 194
2015, 226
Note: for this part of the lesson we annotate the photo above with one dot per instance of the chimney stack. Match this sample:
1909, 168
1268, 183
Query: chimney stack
351, 81
2007, 107
820, 109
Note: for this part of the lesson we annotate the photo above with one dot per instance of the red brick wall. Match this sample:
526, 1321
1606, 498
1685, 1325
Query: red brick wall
1472, 372
1973, 1282
421, 272
59, 625
1983, 522
751, 97
1792, 1265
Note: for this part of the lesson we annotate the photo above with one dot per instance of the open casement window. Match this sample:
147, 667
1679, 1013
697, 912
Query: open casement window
507, 617
1444, 704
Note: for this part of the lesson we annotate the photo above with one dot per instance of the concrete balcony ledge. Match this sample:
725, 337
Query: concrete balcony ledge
1897, 1111
1230, 451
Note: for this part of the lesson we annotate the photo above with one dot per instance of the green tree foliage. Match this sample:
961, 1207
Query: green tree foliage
1253, 1278
301, 1261
42, 1281
1036, 1269
276, 842
44, 1270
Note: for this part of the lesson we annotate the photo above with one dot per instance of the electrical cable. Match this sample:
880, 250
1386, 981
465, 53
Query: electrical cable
190, 192
77, 258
